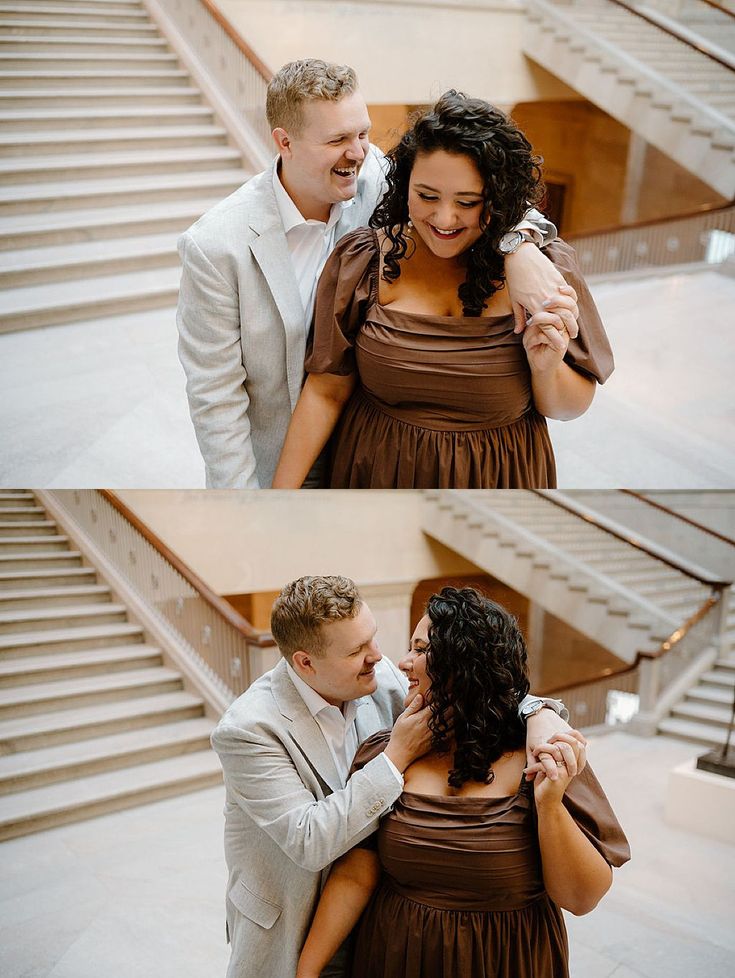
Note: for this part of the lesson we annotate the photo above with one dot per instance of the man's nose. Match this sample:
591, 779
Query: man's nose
374, 653
355, 151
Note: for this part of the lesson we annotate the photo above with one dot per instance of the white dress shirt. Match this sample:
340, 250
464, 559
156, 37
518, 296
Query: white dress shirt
309, 242
337, 725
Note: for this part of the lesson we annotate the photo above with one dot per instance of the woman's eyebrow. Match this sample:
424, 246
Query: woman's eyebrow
458, 193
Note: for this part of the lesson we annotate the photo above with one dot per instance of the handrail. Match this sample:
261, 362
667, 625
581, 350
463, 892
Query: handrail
222, 607
631, 8
653, 222
263, 70
680, 516
708, 581
668, 645
718, 6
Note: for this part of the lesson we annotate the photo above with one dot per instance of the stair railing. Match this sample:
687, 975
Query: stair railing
674, 514
218, 638
674, 30
230, 74
705, 235
659, 677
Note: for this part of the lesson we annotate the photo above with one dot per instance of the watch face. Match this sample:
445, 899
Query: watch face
511, 242
533, 707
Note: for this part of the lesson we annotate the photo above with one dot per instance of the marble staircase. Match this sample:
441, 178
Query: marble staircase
91, 719
107, 153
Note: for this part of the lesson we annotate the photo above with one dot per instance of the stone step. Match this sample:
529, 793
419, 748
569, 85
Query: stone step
70, 665
22, 514
64, 262
70, 639
83, 79
31, 169
112, 117
69, 694
699, 733
10, 563
64, 302
70, 10
44, 60
24, 528
722, 679
713, 714
23, 545
109, 140
15, 98
87, 723
26, 198
42, 808
98, 224
81, 44
44, 597
16, 621
704, 693
98, 7
90, 26
11, 500
50, 765
39, 579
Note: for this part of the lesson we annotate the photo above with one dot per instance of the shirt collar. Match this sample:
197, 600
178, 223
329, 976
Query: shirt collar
314, 701
292, 217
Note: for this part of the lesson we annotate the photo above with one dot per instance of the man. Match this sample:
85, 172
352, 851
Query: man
286, 746
251, 264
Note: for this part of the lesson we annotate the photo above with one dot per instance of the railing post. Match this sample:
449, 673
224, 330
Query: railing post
649, 683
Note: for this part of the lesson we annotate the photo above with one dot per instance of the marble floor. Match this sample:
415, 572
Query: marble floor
103, 403
141, 892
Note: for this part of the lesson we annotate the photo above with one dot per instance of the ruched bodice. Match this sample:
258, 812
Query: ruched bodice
442, 402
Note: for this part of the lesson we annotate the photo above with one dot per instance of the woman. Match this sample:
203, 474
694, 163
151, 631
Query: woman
476, 860
415, 359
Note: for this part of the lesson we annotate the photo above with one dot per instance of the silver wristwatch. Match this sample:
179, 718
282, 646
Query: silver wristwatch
532, 705
512, 241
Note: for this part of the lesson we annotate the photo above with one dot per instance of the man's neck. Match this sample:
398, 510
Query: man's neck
310, 209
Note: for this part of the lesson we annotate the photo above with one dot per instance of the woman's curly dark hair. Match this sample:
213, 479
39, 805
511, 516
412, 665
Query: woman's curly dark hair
511, 183
476, 661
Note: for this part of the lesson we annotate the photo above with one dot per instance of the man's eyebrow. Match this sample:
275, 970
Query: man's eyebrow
458, 193
339, 135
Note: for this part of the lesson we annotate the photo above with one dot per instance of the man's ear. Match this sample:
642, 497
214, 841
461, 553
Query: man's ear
302, 662
283, 142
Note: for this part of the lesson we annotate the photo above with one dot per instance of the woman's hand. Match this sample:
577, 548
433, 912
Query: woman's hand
571, 758
547, 334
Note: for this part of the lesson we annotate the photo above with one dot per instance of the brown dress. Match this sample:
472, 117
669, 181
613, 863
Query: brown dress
442, 402
462, 892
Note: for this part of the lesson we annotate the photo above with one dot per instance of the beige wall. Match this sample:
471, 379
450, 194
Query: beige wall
241, 542
403, 52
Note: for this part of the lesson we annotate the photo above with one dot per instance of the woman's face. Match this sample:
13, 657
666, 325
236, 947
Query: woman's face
445, 202
413, 664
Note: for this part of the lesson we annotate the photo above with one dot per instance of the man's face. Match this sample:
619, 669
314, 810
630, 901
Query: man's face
321, 163
346, 671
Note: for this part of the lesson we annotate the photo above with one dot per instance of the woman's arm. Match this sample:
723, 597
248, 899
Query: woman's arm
576, 876
317, 412
351, 883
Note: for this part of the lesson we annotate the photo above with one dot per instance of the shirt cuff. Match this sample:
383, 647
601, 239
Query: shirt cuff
394, 770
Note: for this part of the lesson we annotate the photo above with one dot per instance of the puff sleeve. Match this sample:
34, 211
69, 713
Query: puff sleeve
346, 289
587, 803
590, 351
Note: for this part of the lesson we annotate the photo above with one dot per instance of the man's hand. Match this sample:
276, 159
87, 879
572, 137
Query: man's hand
535, 285
542, 731
411, 737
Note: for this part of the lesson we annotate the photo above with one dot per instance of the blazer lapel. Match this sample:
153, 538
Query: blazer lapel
270, 251
367, 720
304, 729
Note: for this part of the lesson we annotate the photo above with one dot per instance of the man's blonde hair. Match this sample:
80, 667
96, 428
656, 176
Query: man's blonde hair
303, 606
301, 81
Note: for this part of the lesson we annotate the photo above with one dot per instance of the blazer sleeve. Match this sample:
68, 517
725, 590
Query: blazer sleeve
210, 350
345, 291
590, 352
262, 779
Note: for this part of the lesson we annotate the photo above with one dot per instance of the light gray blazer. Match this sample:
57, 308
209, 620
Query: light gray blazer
242, 336
287, 818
